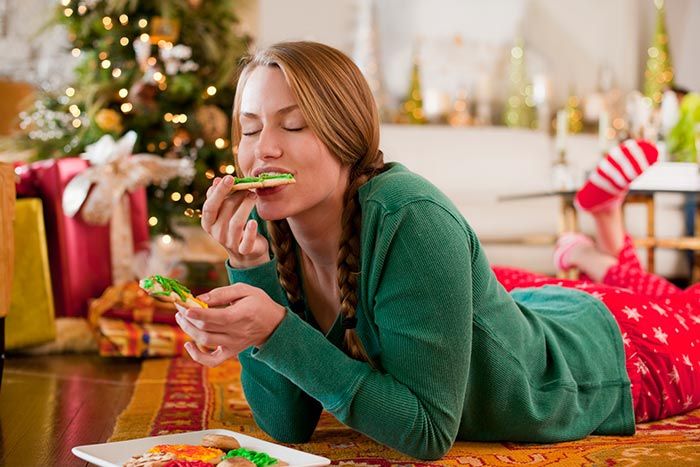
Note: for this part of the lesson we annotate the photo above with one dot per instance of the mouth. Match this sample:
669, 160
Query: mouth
270, 170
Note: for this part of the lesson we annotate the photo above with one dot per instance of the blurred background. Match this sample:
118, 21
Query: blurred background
115, 115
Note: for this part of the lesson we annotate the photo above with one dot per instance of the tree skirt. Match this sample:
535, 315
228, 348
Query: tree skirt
177, 395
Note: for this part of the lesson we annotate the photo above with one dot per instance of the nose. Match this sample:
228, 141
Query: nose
268, 145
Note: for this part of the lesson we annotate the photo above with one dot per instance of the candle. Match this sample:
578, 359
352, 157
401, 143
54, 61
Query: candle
562, 122
603, 125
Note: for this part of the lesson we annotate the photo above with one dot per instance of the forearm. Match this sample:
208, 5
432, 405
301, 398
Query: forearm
280, 408
376, 404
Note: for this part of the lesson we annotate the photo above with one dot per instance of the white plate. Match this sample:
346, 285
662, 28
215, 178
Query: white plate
116, 453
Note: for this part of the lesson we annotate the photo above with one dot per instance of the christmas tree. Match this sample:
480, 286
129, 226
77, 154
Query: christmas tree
520, 106
412, 107
658, 75
163, 69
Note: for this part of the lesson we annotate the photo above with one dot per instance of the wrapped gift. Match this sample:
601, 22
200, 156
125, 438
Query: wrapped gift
79, 252
96, 214
129, 302
119, 338
31, 317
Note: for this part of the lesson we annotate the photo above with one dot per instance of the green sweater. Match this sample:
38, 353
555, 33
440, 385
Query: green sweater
458, 356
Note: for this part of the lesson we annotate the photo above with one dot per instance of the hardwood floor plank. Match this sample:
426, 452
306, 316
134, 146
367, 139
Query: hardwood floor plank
50, 404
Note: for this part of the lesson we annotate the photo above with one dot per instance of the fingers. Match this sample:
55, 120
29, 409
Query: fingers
250, 233
209, 319
207, 338
215, 198
238, 221
209, 359
227, 294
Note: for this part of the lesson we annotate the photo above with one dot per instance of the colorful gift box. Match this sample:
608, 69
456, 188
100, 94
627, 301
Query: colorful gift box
31, 317
129, 302
80, 253
119, 338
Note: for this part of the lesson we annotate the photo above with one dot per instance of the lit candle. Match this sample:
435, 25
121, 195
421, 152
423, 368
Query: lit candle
560, 144
603, 125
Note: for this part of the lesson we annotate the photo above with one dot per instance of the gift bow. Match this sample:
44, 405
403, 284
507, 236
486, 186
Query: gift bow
115, 171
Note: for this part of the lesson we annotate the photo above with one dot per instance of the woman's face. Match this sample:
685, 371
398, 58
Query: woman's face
276, 138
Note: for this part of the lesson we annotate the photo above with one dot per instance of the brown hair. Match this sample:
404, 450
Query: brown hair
338, 106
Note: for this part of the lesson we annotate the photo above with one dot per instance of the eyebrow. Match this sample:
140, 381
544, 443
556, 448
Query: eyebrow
283, 110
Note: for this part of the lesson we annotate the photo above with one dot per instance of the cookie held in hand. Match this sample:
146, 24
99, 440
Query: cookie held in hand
264, 180
169, 290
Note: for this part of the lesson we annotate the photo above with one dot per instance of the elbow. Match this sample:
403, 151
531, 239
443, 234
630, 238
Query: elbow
431, 449
283, 434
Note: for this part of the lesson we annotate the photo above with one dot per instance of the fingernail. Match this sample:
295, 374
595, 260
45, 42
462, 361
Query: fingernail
180, 308
228, 180
204, 297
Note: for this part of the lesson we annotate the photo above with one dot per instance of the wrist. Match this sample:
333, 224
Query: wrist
246, 263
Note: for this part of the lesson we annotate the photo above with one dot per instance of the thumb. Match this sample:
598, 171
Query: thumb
227, 294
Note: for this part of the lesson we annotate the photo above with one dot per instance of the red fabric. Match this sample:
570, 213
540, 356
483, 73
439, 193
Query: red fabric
660, 326
79, 253
614, 173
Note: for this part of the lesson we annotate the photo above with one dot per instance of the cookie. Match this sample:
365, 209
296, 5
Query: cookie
220, 441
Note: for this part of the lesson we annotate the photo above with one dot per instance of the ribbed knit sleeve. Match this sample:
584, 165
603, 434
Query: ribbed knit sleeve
280, 407
422, 318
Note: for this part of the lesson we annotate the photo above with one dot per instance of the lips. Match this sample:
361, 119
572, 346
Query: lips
270, 169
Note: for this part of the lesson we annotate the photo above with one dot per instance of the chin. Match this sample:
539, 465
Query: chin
271, 213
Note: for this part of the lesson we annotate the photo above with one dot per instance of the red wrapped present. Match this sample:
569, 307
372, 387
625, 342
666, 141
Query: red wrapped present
79, 253
95, 211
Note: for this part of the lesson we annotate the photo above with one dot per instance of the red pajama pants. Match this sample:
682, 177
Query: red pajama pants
660, 326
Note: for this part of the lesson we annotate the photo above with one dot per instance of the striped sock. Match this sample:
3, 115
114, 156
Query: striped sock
609, 181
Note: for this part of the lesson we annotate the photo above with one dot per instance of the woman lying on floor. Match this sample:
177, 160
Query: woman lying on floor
361, 289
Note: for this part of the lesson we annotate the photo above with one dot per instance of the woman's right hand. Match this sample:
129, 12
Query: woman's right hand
225, 218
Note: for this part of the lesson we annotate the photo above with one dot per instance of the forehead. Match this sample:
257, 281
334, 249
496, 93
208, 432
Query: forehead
266, 90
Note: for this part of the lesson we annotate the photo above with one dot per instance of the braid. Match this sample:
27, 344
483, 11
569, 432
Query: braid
349, 258
282, 243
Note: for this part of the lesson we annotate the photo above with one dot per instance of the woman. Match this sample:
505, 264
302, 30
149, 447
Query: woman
361, 290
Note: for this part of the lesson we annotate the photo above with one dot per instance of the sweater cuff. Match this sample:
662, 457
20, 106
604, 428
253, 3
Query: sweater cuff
330, 377
263, 277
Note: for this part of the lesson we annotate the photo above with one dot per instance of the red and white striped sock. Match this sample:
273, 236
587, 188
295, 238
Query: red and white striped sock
608, 183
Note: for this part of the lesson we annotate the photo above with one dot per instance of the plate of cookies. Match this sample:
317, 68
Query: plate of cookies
207, 448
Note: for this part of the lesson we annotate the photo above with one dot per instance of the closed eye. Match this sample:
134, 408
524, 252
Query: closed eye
251, 133
295, 129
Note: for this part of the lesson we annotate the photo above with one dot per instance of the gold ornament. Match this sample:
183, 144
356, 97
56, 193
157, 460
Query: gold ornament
164, 29
194, 3
213, 122
109, 120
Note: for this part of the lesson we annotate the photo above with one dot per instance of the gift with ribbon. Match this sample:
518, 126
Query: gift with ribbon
95, 214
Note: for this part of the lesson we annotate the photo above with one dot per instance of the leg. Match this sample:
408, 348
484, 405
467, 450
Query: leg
513, 278
661, 336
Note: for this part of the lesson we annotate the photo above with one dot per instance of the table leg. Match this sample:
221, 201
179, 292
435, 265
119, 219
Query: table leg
695, 273
568, 222
651, 233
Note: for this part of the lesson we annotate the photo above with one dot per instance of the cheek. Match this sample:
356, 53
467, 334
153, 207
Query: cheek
245, 159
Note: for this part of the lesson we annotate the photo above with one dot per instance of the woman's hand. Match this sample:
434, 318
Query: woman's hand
225, 218
240, 316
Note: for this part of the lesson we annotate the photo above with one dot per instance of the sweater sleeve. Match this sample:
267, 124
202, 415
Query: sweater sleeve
421, 309
280, 407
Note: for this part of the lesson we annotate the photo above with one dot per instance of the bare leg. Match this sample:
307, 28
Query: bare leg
610, 230
593, 262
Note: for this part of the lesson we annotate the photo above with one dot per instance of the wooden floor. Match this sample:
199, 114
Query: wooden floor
49, 404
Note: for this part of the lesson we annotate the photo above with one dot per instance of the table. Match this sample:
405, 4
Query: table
568, 222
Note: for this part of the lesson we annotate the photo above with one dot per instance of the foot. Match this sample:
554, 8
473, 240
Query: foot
607, 185
569, 246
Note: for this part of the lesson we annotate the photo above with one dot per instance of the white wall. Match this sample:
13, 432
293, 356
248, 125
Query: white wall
568, 39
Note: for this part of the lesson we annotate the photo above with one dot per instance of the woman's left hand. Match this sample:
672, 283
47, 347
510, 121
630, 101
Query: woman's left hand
240, 316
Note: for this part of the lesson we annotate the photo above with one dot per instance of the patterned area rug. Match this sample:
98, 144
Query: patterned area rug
179, 395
